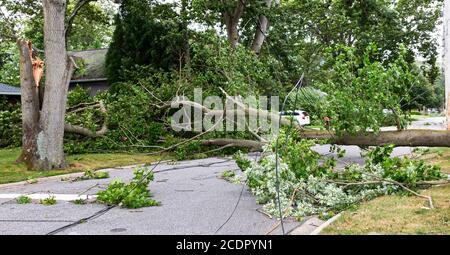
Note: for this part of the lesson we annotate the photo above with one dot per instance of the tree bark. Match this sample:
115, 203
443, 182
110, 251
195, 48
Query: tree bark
29, 105
261, 30
185, 29
410, 138
231, 19
446, 59
252, 145
58, 74
428, 138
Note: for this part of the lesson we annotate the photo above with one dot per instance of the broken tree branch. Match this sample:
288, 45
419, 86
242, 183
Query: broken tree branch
250, 144
69, 128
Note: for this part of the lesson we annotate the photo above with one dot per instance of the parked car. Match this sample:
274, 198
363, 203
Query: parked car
300, 116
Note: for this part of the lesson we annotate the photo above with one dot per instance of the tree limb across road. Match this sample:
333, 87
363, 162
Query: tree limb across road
410, 138
413, 137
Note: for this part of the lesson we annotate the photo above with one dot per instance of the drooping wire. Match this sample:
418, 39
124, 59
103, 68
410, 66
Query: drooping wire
277, 151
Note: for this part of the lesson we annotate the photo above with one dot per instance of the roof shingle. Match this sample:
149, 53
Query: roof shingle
9, 90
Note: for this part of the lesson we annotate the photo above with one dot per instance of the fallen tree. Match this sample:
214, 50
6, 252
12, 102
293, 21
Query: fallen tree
413, 137
319, 189
250, 144
410, 138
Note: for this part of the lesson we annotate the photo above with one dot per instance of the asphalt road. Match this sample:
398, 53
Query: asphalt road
433, 123
195, 200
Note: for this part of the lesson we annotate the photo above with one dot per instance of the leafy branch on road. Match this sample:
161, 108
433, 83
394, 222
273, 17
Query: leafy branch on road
311, 185
132, 195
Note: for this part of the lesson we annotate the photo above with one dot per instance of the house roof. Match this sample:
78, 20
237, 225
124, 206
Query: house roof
9, 90
93, 65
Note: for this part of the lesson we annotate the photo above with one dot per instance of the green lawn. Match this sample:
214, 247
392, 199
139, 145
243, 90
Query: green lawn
13, 172
439, 156
401, 214
419, 117
397, 215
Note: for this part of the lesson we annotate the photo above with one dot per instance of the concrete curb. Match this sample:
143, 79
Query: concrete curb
76, 174
326, 224
71, 175
49, 178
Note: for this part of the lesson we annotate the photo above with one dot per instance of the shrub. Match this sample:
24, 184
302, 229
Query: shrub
10, 128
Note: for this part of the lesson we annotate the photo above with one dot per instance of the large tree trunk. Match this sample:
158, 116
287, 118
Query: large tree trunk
30, 107
58, 73
43, 110
185, 29
428, 138
410, 138
43, 131
231, 19
446, 60
261, 30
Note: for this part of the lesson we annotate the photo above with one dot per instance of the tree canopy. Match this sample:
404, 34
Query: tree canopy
365, 56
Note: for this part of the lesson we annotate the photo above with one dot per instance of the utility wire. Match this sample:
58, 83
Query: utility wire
277, 151
105, 210
237, 203
108, 208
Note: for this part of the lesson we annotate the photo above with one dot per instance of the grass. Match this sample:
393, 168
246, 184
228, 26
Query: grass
438, 156
415, 117
13, 172
397, 215
401, 214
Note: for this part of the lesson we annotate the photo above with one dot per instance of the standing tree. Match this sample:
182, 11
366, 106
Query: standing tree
44, 130
43, 120
147, 33
261, 30
232, 14
237, 16
446, 61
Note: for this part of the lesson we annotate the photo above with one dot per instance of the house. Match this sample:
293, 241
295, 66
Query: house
10, 92
91, 72
90, 75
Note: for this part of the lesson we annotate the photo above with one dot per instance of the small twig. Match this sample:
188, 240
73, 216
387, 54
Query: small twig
291, 201
430, 200
81, 104
82, 108
188, 140
90, 188
263, 212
